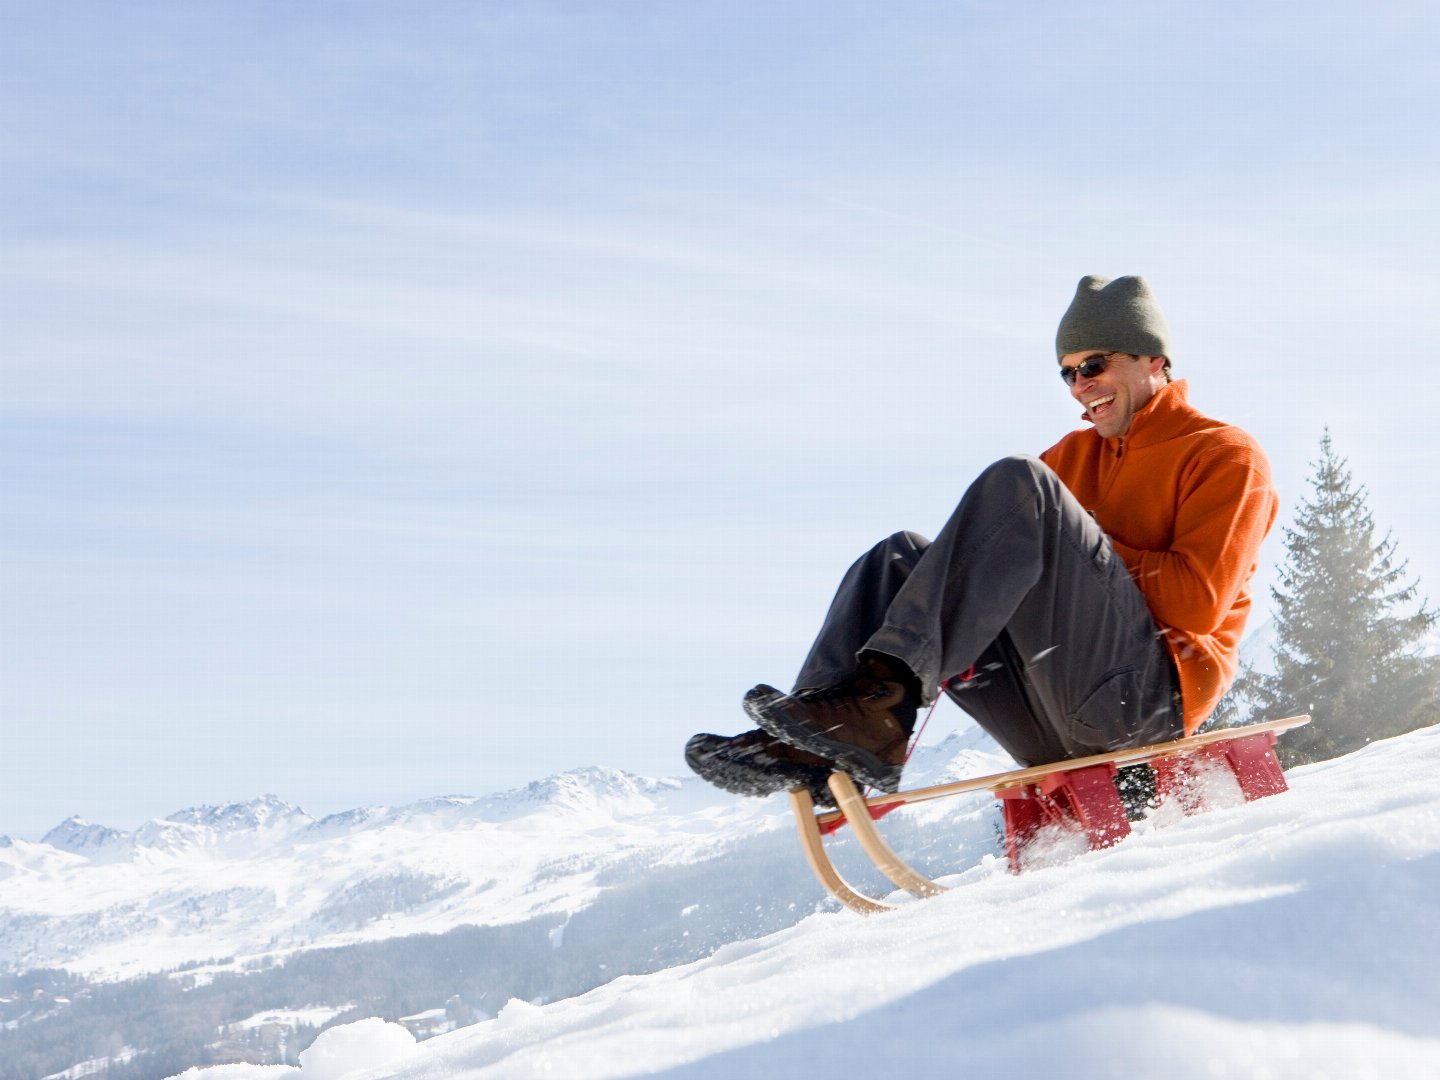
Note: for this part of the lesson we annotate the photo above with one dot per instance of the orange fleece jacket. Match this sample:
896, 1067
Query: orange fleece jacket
1186, 501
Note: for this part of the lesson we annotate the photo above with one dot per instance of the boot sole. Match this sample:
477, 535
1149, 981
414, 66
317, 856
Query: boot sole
762, 705
741, 777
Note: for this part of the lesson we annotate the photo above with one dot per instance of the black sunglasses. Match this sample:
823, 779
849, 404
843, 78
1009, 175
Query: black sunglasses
1089, 367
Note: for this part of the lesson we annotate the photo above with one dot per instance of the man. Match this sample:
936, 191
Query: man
1088, 600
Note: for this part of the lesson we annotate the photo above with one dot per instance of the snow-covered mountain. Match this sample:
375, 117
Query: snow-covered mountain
260, 880
1287, 938
258, 914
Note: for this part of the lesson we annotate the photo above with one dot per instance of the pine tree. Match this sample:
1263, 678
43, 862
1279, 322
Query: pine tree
1345, 652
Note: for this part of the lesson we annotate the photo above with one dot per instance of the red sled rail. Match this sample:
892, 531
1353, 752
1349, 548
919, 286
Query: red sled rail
1080, 791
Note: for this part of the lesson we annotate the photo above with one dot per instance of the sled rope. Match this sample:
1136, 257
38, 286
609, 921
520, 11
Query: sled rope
944, 685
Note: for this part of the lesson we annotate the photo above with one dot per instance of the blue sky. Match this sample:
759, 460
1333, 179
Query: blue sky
412, 399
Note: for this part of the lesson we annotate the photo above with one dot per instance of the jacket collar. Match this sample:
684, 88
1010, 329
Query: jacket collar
1162, 418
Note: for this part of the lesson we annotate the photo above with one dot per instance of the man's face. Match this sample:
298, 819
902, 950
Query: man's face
1112, 397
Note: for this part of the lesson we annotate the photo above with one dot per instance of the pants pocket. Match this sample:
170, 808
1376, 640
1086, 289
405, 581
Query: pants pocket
1106, 720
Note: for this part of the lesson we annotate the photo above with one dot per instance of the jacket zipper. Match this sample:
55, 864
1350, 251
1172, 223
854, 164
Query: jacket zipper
1113, 473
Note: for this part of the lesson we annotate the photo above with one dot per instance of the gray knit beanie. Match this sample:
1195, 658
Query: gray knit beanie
1119, 315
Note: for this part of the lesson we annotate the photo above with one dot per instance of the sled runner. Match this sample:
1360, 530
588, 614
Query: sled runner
1080, 792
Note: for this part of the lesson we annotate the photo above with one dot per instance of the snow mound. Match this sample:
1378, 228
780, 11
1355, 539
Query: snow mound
365, 1044
342, 1051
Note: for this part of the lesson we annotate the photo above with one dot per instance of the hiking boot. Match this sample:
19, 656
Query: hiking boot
862, 726
1135, 784
756, 763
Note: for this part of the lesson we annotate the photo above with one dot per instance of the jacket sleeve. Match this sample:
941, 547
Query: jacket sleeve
1226, 507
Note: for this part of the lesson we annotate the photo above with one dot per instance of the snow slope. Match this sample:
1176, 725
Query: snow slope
1292, 937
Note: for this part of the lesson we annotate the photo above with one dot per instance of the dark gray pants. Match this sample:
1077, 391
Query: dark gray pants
1023, 586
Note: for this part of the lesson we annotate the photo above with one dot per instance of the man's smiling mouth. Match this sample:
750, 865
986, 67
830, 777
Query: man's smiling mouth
1099, 404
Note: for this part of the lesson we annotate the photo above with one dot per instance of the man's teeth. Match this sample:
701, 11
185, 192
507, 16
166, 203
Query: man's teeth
1099, 401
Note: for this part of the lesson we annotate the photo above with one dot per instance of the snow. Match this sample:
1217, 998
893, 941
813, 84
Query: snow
260, 880
314, 1016
340, 1052
94, 1066
1290, 937
362, 1045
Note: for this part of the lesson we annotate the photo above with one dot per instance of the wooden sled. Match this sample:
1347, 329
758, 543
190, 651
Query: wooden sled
1080, 791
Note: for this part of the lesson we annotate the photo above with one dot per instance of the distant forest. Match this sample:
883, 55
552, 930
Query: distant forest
174, 1020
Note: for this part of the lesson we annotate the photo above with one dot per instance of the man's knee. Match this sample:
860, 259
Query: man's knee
903, 547
1015, 474
1017, 468
907, 542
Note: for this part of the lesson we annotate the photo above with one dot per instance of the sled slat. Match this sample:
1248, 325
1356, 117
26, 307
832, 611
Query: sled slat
814, 845
881, 854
